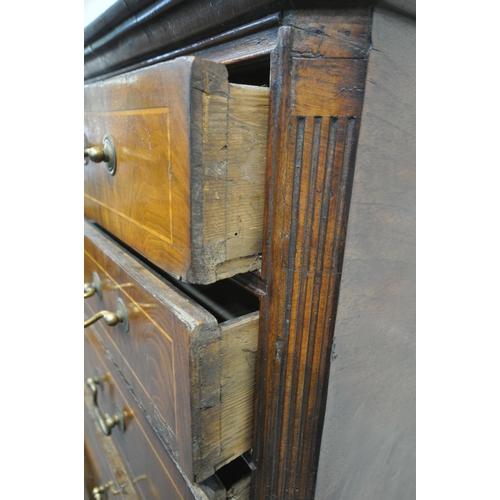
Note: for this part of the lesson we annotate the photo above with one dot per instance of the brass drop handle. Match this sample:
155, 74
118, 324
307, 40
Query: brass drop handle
100, 492
106, 422
88, 290
95, 287
105, 153
111, 318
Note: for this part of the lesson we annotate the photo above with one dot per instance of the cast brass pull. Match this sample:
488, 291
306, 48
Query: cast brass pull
111, 318
106, 422
105, 153
90, 289
100, 492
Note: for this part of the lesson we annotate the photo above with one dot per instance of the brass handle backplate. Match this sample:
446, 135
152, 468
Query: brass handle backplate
105, 153
106, 422
111, 318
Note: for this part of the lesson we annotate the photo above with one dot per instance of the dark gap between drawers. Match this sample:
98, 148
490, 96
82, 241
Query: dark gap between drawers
250, 72
233, 472
230, 481
225, 299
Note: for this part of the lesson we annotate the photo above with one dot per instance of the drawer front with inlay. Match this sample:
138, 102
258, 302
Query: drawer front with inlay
174, 166
99, 474
149, 469
192, 376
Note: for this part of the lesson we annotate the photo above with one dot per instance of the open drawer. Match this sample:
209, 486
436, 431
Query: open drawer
192, 376
174, 166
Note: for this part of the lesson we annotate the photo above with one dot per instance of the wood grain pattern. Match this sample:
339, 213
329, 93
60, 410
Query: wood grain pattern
368, 449
238, 354
193, 378
106, 458
98, 469
180, 129
246, 48
338, 88
319, 34
247, 136
153, 356
152, 472
310, 167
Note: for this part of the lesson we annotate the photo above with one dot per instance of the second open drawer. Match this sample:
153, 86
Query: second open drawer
192, 375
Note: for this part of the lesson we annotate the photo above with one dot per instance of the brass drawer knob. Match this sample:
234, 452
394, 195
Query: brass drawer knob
105, 153
106, 422
112, 318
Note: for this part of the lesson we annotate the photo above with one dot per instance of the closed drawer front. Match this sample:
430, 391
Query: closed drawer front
99, 475
188, 188
192, 376
150, 473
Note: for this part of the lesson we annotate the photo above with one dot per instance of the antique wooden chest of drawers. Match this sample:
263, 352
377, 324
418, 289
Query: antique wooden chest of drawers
220, 145
175, 188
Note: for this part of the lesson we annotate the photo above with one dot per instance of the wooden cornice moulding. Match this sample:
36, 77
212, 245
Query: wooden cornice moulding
116, 15
166, 26
318, 72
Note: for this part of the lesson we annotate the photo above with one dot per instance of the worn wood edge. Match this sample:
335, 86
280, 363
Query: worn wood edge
209, 94
239, 354
187, 311
252, 282
251, 46
231, 268
216, 443
216, 119
316, 39
205, 389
